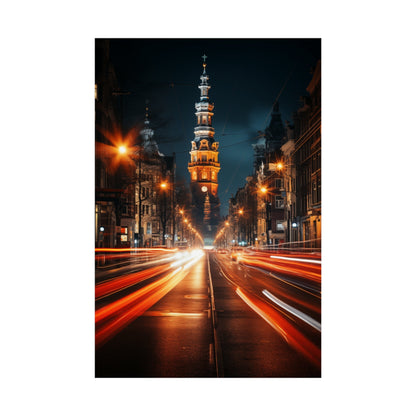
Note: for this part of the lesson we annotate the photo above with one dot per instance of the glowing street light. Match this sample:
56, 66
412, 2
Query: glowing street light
122, 149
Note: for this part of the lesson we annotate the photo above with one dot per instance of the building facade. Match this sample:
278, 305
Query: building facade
154, 192
112, 201
307, 157
286, 184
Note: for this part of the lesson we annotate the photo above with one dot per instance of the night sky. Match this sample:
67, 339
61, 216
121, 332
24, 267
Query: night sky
246, 77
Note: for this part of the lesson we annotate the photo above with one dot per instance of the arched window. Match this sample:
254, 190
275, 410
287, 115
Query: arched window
204, 175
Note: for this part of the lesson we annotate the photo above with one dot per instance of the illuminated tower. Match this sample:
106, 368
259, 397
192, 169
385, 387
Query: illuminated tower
204, 165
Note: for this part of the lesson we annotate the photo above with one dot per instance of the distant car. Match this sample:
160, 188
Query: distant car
236, 253
222, 251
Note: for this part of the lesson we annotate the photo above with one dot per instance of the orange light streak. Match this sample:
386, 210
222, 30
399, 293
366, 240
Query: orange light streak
111, 286
292, 335
112, 318
137, 250
309, 271
121, 312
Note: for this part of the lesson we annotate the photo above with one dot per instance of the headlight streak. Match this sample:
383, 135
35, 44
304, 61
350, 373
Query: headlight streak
292, 310
135, 250
291, 335
192, 262
310, 306
298, 285
112, 318
297, 259
259, 311
133, 255
183, 260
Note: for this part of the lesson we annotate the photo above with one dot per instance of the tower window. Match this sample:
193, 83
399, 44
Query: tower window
204, 158
279, 202
213, 176
194, 176
204, 175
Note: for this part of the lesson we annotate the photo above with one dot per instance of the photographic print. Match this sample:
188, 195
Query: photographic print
207, 207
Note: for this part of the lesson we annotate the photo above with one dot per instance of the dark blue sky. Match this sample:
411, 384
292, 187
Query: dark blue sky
246, 77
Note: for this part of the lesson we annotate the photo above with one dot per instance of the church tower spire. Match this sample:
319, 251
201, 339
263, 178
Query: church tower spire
204, 165
149, 144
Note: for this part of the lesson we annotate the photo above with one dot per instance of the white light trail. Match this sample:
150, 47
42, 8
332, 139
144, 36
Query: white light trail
296, 259
292, 310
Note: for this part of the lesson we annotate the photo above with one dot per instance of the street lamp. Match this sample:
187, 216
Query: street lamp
163, 211
127, 154
264, 192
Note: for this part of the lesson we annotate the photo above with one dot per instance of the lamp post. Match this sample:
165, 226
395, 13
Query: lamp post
240, 231
263, 191
135, 154
132, 155
289, 194
163, 210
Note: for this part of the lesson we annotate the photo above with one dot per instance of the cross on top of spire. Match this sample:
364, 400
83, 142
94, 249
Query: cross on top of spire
204, 57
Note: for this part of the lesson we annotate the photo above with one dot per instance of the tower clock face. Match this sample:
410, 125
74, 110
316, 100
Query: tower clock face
204, 189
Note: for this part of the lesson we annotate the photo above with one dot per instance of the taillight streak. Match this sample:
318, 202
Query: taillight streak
114, 285
275, 319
